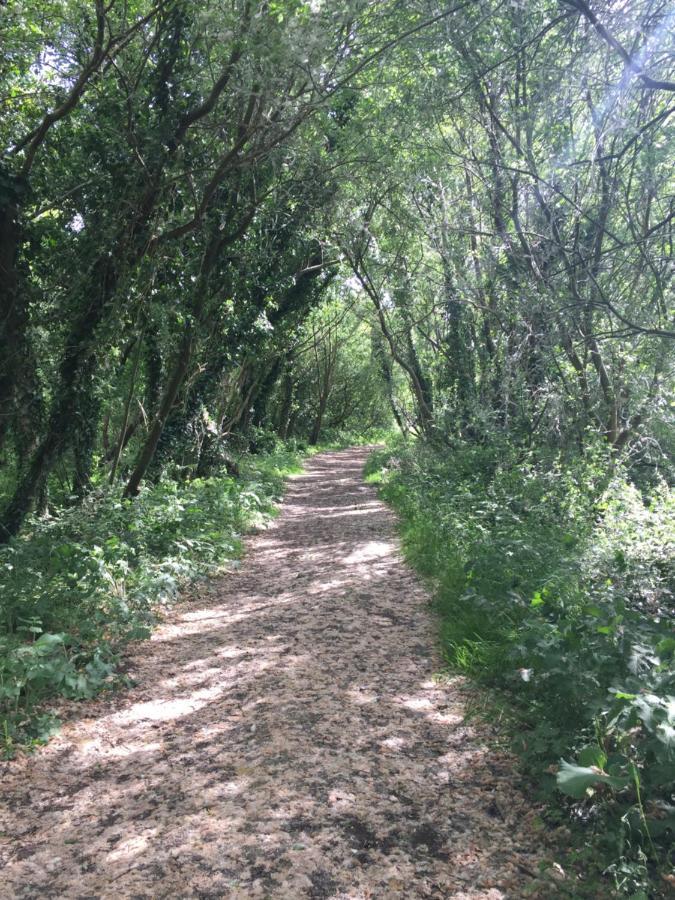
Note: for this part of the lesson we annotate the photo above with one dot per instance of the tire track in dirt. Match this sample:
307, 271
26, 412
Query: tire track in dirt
286, 739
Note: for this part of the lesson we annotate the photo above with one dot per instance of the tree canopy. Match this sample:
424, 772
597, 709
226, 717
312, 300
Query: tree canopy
488, 189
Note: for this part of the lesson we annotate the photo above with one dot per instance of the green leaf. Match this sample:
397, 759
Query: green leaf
593, 756
666, 647
622, 695
576, 780
49, 641
594, 611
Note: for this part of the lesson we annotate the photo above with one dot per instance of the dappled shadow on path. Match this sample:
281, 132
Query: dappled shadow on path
285, 739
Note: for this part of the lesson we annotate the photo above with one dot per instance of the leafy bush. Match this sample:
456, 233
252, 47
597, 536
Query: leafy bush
555, 579
74, 588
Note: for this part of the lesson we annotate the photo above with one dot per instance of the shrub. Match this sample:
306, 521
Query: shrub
76, 587
554, 579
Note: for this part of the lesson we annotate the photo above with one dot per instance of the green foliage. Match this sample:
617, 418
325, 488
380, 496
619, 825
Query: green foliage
75, 588
554, 579
232, 225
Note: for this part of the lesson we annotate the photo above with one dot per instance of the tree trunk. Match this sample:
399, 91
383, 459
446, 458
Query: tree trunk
125, 416
180, 369
75, 387
318, 421
286, 406
12, 312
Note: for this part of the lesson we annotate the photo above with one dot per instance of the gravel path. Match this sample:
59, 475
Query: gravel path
286, 739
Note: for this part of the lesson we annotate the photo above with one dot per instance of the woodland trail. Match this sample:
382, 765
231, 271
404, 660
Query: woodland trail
286, 739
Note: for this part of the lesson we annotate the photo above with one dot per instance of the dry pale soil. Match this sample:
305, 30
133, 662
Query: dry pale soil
286, 738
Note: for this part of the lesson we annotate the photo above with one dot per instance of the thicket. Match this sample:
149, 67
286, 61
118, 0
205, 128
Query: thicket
554, 579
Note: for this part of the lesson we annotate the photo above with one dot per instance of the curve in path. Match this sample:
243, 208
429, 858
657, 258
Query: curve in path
286, 739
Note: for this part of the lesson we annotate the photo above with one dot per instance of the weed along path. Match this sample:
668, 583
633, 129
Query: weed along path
285, 739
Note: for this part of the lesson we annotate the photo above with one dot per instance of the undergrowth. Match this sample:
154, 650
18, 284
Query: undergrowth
76, 587
555, 581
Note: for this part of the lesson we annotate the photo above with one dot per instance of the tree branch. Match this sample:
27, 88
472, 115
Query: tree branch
649, 82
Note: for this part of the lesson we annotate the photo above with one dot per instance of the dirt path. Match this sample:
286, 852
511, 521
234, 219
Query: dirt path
285, 740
